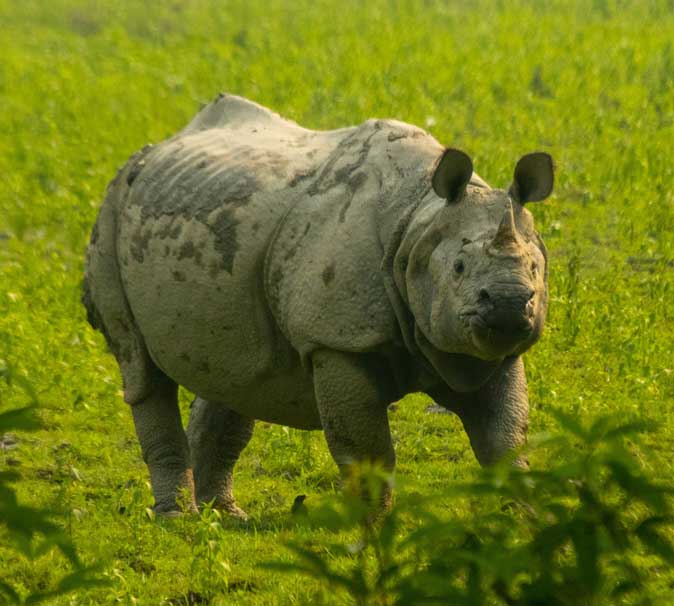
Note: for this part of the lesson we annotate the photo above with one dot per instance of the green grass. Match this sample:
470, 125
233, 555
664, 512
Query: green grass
83, 84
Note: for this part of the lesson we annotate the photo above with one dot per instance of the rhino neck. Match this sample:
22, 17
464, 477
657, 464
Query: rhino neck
460, 372
403, 223
397, 233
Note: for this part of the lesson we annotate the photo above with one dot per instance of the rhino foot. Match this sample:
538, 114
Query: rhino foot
217, 435
165, 449
233, 510
174, 512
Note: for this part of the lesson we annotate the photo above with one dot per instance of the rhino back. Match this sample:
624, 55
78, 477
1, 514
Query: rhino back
234, 112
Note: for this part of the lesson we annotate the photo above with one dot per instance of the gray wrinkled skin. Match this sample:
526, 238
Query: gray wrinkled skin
309, 279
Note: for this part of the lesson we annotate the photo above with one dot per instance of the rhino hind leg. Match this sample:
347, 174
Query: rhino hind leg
151, 394
217, 436
165, 449
353, 394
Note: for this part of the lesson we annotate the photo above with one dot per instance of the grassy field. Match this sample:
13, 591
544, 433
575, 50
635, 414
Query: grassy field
83, 84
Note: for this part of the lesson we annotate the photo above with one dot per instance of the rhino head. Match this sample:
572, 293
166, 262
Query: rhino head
475, 272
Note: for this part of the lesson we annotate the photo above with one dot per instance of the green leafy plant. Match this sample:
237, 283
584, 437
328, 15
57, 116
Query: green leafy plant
586, 531
32, 531
210, 568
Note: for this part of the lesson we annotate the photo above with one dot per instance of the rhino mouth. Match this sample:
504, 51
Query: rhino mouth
499, 339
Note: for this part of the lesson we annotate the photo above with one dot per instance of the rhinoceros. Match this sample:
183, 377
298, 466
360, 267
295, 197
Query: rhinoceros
310, 278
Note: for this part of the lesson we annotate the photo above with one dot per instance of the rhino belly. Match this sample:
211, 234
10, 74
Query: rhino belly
194, 285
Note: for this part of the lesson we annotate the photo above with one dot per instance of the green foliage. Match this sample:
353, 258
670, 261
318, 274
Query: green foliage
31, 532
572, 534
210, 568
85, 83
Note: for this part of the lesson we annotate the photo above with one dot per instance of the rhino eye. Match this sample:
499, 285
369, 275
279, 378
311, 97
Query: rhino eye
534, 267
459, 266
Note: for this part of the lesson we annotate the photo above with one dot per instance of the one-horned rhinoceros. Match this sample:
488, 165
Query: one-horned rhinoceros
310, 278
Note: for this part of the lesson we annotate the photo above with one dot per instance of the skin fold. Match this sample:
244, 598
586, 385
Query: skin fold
311, 278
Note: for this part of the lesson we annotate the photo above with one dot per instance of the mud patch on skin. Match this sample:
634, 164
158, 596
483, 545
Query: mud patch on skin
302, 176
357, 145
328, 274
204, 367
292, 250
205, 194
226, 243
214, 269
186, 250
355, 182
139, 244
396, 135
164, 231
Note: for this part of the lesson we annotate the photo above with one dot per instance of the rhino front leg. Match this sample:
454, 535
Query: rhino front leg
353, 393
164, 447
496, 417
217, 436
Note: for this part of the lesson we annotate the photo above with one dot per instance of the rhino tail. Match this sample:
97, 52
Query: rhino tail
105, 301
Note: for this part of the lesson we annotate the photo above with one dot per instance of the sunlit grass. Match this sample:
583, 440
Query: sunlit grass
83, 84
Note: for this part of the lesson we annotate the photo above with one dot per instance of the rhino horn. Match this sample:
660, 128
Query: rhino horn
507, 237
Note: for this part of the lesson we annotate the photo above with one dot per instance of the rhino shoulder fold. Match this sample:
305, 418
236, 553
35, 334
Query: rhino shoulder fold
322, 279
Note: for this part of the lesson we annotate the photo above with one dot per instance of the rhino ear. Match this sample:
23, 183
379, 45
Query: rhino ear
452, 174
534, 178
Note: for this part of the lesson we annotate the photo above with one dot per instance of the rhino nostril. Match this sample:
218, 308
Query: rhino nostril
483, 296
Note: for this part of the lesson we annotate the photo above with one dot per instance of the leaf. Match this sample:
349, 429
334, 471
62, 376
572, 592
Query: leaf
77, 580
10, 593
284, 566
542, 439
570, 424
632, 428
8, 476
26, 385
81, 579
652, 539
598, 430
585, 540
551, 538
624, 587
319, 569
24, 419
387, 533
638, 486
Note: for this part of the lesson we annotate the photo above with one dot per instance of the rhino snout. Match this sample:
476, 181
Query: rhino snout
504, 317
506, 310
